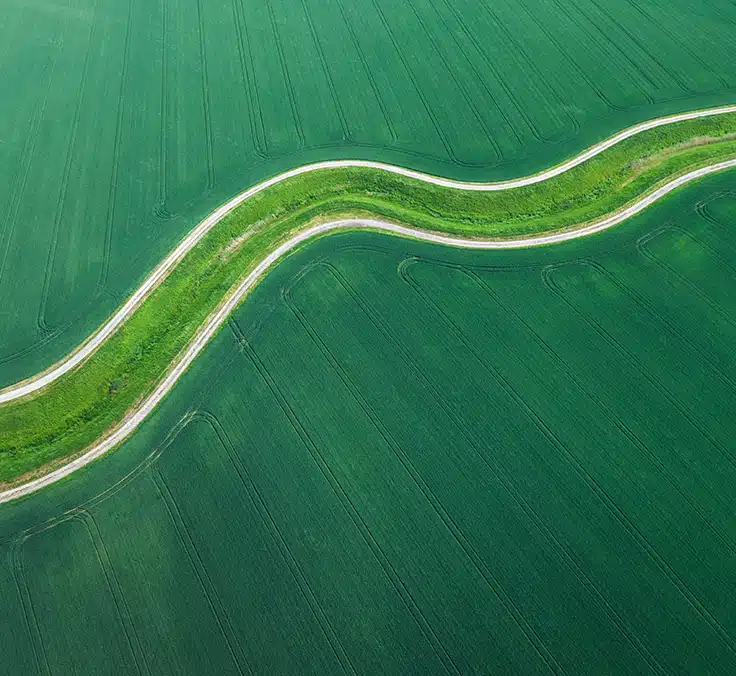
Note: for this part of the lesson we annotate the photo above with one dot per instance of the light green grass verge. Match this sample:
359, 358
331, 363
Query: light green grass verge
61, 421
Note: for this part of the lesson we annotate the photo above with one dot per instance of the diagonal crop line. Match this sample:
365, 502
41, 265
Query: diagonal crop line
269, 522
358, 520
233, 299
470, 551
113, 585
213, 599
476, 445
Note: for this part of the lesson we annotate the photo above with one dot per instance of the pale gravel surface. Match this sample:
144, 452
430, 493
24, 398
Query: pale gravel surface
213, 323
48, 376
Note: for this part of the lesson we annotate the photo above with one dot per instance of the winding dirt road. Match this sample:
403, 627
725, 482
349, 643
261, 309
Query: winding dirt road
217, 318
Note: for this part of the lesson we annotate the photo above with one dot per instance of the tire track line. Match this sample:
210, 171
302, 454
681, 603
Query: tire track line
209, 591
600, 491
605, 408
497, 471
254, 495
468, 549
356, 518
121, 607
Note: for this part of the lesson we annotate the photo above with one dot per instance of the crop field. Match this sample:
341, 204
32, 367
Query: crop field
403, 458
125, 121
394, 457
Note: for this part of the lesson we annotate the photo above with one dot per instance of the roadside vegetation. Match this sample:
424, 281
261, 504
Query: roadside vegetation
63, 419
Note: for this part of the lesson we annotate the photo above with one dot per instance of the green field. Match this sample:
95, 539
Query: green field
401, 458
124, 122
395, 457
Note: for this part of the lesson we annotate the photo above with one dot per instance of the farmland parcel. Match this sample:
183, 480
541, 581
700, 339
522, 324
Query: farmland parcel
403, 457
124, 122
396, 457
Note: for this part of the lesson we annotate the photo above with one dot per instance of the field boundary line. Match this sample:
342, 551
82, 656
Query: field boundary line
232, 300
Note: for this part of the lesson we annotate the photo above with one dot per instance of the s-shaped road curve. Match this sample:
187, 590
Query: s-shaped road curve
215, 320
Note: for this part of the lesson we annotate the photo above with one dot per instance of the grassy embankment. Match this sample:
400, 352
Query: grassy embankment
60, 421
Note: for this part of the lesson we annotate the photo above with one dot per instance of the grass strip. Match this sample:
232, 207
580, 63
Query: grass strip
59, 422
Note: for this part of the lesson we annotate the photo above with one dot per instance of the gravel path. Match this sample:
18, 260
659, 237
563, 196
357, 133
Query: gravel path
205, 333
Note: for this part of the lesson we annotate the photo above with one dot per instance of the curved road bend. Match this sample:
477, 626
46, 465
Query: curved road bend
97, 339
213, 323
